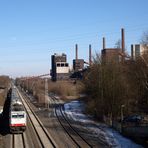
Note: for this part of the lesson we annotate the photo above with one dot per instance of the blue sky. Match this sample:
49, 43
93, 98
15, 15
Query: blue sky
32, 30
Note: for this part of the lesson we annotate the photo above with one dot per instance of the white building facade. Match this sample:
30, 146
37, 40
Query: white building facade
137, 50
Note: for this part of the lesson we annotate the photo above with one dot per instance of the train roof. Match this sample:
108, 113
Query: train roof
17, 106
16, 102
14, 94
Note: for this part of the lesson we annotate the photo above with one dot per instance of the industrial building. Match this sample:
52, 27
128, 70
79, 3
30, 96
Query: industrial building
111, 55
59, 67
78, 64
114, 54
137, 50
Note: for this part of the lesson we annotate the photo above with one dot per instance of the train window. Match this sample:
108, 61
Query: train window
14, 116
17, 116
21, 116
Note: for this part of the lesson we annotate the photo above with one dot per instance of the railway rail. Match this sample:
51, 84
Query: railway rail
79, 140
18, 140
44, 138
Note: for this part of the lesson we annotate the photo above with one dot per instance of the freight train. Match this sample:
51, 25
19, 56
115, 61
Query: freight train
17, 113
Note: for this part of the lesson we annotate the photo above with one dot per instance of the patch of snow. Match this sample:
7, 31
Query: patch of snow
75, 111
1, 111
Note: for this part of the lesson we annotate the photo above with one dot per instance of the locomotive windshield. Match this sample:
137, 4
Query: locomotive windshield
17, 116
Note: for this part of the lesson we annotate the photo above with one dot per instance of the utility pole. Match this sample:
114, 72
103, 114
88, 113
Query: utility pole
46, 94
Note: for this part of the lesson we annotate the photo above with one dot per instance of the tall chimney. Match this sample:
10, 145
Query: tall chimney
76, 60
90, 61
76, 52
103, 42
123, 40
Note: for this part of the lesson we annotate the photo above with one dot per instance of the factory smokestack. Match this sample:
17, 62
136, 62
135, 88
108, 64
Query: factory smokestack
76, 52
123, 40
76, 60
103, 42
90, 61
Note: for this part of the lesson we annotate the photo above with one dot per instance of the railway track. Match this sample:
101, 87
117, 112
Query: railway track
44, 138
18, 140
79, 140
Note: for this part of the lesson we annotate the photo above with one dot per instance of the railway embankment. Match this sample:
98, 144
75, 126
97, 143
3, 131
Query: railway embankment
4, 84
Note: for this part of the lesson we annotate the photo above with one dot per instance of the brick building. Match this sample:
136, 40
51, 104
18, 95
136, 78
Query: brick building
111, 55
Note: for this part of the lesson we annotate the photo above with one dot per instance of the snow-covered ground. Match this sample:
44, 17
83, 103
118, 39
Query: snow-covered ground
75, 111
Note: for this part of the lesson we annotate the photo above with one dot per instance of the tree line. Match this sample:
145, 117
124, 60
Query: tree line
118, 87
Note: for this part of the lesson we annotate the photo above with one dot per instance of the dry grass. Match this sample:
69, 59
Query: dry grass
65, 89
62, 88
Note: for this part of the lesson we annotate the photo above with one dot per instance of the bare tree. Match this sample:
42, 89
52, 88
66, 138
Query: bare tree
113, 85
107, 85
144, 39
118, 43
